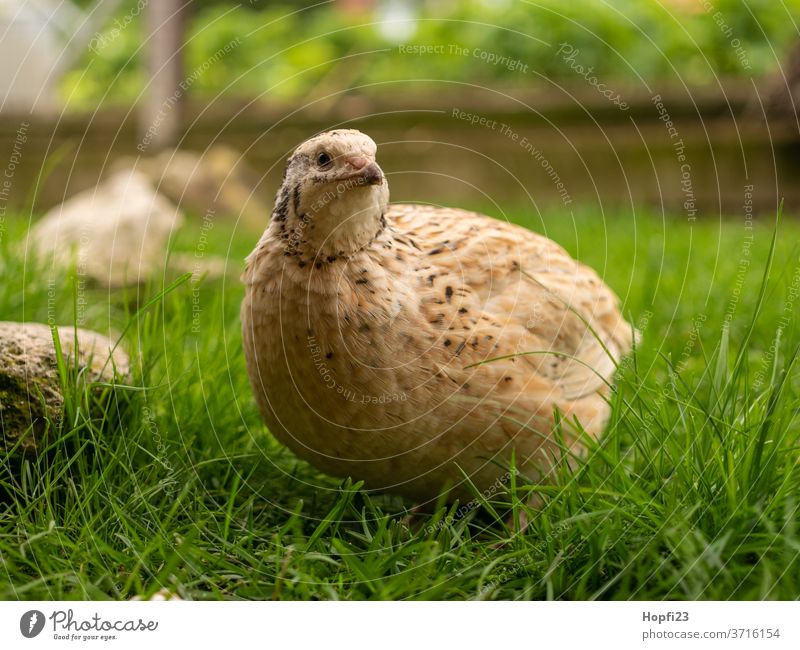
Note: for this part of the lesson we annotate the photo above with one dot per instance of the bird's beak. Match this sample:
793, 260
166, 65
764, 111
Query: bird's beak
364, 172
373, 175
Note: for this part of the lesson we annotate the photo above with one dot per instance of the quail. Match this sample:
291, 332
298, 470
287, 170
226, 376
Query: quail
417, 348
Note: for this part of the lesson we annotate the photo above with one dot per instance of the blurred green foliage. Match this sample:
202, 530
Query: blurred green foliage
288, 51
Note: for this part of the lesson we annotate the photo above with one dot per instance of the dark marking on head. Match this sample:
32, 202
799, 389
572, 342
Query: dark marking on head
435, 251
448, 293
296, 198
281, 210
460, 347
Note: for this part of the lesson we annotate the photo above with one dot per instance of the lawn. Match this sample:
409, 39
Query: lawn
693, 492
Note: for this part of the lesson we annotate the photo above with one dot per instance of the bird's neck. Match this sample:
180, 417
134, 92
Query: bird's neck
332, 225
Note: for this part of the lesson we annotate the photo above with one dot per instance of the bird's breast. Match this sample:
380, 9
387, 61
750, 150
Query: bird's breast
330, 332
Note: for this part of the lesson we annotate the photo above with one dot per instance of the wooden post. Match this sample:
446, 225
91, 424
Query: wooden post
160, 113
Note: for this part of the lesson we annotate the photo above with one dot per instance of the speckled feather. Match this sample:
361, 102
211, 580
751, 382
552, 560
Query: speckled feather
429, 350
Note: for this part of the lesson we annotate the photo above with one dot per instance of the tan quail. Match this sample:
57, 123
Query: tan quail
411, 346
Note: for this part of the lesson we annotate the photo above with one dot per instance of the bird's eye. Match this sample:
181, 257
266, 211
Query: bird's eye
323, 159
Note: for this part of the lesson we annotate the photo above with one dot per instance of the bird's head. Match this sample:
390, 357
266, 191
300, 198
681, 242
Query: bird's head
342, 156
335, 190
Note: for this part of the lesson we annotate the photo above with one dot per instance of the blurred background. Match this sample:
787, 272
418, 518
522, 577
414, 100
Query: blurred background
688, 106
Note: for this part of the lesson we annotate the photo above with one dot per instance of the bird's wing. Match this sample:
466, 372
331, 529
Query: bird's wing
494, 289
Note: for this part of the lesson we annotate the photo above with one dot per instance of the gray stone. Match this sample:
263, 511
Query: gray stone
116, 234
30, 390
218, 180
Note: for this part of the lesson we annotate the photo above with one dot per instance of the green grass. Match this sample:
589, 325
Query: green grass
692, 493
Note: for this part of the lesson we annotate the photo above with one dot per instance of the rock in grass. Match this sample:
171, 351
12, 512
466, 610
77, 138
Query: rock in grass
218, 180
161, 594
116, 233
30, 389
